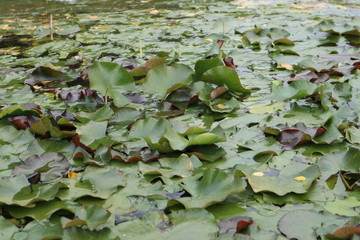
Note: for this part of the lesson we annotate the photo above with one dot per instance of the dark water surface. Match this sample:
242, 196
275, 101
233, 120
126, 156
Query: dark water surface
13, 8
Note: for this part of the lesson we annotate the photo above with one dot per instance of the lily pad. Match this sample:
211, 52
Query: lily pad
224, 76
215, 186
165, 79
286, 181
48, 165
105, 76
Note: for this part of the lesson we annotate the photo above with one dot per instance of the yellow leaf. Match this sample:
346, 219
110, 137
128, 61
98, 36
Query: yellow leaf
306, 6
100, 27
154, 12
300, 178
136, 23
5, 27
221, 105
8, 21
271, 108
208, 39
13, 52
31, 27
258, 174
286, 66
46, 27
301, 11
93, 17
72, 175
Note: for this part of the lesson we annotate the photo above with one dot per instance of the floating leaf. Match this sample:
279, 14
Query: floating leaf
234, 225
48, 165
221, 76
105, 76
47, 77
285, 181
300, 224
345, 232
162, 78
170, 167
91, 131
214, 187
7, 229
17, 112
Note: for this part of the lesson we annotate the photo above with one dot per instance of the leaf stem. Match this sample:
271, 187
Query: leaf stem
51, 28
345, 182
140, 49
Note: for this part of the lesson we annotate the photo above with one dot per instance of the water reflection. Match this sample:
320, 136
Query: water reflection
13, 8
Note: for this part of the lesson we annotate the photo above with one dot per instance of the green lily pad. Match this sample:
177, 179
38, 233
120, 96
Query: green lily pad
221, 76
170, 167
8, 229
105, 76
18, 111
42, 210
165, 79
344, 207
300, 224
215, 186
295, 178
91, 131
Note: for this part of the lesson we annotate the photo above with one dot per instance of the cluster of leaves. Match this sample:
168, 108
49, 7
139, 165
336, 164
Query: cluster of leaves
259, 143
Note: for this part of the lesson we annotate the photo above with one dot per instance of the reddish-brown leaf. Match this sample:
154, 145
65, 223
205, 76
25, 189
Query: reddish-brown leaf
229, 62
234, 225
290, 138
241, 225
217, 92
294, 136
23, 122
345, 232
220, 43
78, 143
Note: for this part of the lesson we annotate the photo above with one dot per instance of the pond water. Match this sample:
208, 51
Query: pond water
34, 7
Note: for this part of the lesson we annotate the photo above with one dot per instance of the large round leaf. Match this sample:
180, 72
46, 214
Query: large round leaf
161, 78
105, 76
222, 75
214, 187
300, 224
295, 178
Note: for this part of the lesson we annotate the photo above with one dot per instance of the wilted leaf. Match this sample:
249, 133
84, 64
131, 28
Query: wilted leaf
345, 232
48, 165
47, 77
234, 225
